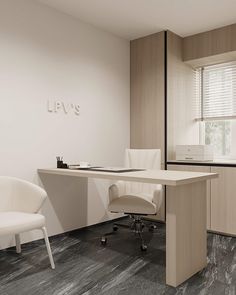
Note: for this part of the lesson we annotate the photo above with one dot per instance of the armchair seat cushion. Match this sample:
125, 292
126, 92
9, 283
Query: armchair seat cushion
133, 203
12, 222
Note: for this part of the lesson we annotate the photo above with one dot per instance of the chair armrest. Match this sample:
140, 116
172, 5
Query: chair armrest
116, 190
158, 196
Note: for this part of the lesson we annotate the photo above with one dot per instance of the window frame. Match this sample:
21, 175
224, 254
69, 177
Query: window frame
202, 121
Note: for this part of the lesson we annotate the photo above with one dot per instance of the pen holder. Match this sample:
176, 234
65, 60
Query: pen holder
60, 164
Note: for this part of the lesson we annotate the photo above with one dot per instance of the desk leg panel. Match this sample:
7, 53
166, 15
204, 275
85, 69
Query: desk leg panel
186, 235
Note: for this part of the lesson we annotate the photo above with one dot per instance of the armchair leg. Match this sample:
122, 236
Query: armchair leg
48, 247
18, 243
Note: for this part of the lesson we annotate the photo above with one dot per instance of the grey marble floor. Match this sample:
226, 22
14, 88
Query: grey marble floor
83, 266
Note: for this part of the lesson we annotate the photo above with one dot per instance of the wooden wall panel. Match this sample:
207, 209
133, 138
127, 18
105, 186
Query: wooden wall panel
181, 104
211, 46
147, 92
147, 78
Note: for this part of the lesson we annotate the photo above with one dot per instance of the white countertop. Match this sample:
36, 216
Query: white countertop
164, 177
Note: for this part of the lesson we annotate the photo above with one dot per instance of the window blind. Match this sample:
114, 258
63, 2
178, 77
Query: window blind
217, 97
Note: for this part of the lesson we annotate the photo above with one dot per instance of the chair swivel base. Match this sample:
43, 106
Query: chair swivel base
136, 226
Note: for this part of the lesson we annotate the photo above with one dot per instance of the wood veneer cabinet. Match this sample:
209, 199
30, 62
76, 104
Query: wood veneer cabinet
210, 47
147, 97
198, 169
223, 200
221, 197
147, 92
161, 83
181, 125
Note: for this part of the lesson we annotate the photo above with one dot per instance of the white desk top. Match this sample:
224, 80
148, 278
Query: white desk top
148, 176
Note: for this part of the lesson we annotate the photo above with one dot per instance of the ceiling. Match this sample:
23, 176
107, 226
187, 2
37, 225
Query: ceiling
131, 19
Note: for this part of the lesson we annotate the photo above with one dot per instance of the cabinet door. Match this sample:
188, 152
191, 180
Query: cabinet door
147, 97
147, 92
223, 200
198, 169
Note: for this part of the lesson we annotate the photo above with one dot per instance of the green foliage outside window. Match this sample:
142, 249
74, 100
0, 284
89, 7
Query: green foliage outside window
218, 134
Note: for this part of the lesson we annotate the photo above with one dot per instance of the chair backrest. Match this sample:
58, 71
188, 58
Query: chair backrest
20, 195
142, 159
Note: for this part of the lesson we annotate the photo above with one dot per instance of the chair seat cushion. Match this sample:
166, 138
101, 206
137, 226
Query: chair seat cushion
133, 203
12, 222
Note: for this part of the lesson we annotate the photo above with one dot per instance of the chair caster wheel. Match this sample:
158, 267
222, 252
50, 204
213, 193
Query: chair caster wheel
103, 241
115, 228
152, 228
143, 247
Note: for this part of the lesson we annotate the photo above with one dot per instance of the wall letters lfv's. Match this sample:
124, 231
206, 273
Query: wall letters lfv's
59, 106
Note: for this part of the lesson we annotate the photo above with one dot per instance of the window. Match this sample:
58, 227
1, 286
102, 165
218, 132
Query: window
217, 108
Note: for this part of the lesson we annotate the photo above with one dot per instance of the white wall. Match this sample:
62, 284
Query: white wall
46, 55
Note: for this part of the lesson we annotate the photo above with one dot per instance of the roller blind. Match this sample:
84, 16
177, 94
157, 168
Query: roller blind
217, 97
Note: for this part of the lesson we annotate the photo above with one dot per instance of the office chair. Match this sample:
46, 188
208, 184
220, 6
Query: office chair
20, 202
136, 199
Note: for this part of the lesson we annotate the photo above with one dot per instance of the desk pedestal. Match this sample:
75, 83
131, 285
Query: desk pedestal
186, 235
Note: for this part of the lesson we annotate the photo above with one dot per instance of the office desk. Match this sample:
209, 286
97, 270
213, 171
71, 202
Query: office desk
186, 236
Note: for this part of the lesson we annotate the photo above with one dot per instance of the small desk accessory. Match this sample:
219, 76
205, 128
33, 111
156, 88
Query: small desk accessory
60, 163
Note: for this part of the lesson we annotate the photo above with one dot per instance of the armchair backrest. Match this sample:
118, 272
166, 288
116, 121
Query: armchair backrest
20, 195
142, 159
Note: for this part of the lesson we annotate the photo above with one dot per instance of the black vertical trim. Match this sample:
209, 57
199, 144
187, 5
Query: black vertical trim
202, 94
165, 108
165, 98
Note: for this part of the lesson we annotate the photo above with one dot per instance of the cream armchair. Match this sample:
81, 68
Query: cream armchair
137, 199
20, 202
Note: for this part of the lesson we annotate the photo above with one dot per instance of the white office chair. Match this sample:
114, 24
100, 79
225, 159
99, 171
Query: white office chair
136, 199
20, 202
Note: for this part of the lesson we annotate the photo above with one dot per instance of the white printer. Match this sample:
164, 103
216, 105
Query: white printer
199, 152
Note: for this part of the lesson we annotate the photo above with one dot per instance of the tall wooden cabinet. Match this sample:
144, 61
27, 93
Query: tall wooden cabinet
163, 115
181, 115
163, 108
147, 92
159, 77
